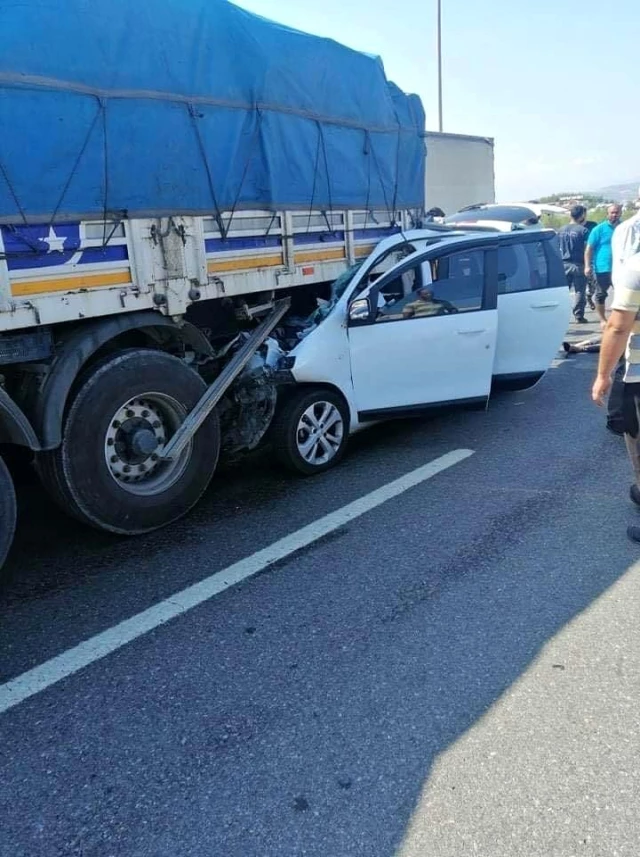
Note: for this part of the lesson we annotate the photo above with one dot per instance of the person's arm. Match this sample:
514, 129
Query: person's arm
588, 253
614, 340
625, 308
448, 307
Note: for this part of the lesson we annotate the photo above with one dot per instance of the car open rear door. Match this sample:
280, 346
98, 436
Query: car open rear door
534, 308
427, 336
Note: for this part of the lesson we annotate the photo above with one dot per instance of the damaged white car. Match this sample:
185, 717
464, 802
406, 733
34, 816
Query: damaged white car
431, 318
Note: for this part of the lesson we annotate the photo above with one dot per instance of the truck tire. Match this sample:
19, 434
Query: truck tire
106, 472
310, 431
7, 512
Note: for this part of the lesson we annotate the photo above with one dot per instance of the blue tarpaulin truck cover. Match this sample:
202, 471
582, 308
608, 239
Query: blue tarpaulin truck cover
158, 107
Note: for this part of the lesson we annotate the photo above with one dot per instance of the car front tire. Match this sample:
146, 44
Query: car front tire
311, 431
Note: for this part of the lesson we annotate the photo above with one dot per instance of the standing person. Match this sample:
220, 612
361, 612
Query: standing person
598, 257
573, 243
590, 225
626, 242
435, 215
623, 331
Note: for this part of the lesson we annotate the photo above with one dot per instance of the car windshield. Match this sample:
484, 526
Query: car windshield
338, 288
340, 285
508, 213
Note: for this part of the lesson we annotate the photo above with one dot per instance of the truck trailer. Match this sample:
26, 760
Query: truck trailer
186, 182
461, 171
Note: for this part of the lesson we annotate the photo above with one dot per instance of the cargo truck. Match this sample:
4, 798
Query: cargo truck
205, 217
170, 190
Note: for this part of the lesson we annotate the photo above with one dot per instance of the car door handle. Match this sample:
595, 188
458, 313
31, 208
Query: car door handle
551, 305
472, 332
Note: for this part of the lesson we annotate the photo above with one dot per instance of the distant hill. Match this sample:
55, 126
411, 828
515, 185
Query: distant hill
626, 192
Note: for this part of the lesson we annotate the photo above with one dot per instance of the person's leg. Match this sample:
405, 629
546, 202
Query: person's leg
631, 400
604, 283
568, 272
580, 288
633, 448
615, 405
591, 290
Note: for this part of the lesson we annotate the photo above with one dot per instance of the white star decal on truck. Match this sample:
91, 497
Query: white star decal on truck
55, 243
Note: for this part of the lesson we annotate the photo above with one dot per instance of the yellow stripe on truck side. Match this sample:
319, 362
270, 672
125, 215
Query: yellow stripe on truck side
248, 263
68, 284
320, 255
364, 250
251, 262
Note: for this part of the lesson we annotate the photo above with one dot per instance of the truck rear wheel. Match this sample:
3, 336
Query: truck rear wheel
311, 430
107, 472
7, 512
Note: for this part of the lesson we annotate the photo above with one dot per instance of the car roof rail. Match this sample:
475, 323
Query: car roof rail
440, 227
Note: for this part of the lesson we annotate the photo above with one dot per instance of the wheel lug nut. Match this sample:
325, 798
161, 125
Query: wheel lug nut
156, 424
154, 457
126, 468
114, 459
116, 424
130, 414
110, 441
145, 414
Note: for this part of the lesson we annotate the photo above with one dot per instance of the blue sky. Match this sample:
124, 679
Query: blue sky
554, 81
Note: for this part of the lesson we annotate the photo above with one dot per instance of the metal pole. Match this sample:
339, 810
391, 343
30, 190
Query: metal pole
440, 126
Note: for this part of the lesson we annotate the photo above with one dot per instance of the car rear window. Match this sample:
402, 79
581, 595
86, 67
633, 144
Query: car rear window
522, 267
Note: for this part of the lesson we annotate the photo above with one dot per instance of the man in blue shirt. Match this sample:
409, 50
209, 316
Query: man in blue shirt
573, 242
598, 257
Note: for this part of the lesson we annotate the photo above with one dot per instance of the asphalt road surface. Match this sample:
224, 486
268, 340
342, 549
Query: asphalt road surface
450, 670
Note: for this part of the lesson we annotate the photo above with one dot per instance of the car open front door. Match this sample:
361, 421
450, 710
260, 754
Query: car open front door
425, 334
534, 308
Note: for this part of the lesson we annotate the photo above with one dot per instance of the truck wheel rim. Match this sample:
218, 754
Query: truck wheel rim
320, 433
135, 436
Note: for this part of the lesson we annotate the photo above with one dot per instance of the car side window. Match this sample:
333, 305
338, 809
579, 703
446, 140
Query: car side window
555, 266
459, 279
394, 295
443, 286
538, 265
522, 267
513, 269
383, 264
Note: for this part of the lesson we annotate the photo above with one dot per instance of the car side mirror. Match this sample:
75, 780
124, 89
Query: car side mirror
360, 311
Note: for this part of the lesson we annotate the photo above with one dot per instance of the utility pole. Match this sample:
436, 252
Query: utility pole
440, 126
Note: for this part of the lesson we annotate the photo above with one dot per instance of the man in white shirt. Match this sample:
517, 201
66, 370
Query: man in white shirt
625, 243
623, 332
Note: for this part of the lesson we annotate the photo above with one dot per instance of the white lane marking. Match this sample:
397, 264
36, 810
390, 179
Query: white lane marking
41, 677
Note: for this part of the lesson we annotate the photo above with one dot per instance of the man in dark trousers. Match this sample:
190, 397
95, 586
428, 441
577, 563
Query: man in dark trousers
623, 332
592, 285
573, 242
